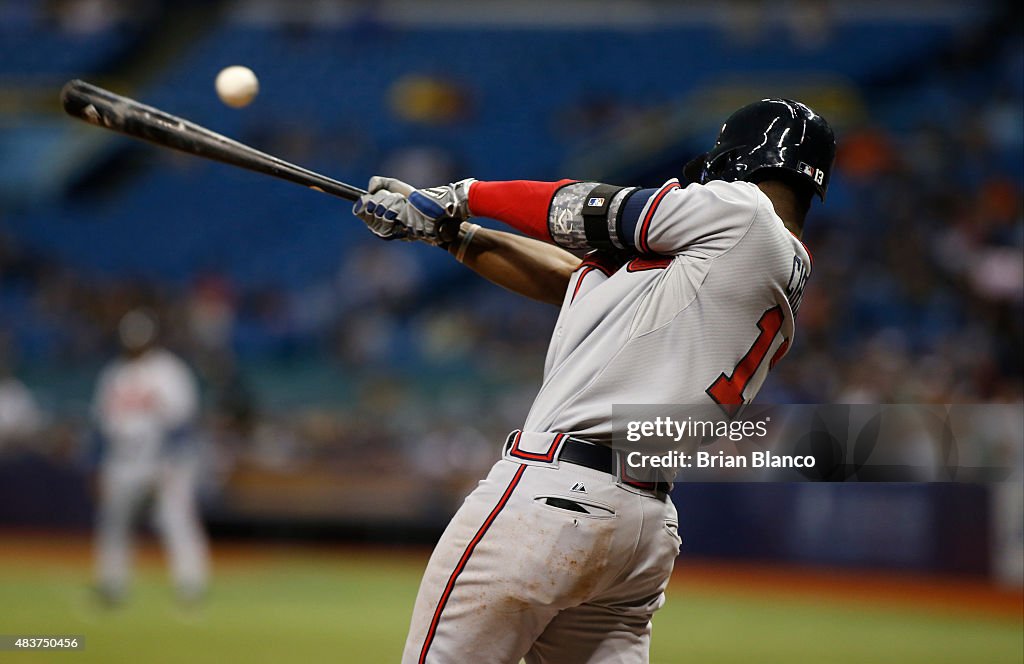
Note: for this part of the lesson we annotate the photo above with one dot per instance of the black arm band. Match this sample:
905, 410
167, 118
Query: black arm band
595, 216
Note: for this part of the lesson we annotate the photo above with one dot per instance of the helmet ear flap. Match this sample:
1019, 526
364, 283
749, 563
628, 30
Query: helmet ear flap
694, 170
719, 164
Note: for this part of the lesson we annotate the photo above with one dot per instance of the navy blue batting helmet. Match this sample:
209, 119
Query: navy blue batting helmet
775, 134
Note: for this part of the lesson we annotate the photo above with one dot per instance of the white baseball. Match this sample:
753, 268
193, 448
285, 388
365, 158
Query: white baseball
237, 86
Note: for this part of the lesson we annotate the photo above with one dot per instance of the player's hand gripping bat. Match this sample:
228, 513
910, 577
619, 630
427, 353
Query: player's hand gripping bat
105, 109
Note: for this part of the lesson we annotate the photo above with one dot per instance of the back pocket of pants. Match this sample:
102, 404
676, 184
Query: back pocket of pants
575, 507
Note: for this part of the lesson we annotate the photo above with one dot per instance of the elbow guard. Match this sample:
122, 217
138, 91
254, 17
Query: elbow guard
586, 215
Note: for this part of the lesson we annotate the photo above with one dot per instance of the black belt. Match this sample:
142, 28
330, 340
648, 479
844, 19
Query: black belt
606, 460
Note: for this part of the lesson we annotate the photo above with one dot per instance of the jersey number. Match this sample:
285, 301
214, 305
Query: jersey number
727, 391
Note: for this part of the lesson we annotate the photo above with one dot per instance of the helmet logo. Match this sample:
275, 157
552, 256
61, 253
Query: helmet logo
815, 174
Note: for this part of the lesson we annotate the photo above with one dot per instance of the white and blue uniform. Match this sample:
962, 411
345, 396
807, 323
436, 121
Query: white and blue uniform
145, 408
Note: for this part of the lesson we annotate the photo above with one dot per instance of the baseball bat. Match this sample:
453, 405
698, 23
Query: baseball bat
111, 111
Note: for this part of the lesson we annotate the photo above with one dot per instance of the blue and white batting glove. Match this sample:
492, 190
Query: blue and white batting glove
425, 208
380, 211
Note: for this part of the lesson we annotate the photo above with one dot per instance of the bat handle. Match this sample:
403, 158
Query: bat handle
448, 229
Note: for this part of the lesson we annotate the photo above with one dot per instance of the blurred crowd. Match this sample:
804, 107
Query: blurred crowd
918, 282
916, 297
359, 367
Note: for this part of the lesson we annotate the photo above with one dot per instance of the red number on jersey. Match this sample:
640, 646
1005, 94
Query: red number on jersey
727, 391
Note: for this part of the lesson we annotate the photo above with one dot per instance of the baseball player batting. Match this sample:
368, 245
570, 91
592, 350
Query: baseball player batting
688, 295
145, 406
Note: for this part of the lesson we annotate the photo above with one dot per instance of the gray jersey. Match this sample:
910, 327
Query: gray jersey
700, 317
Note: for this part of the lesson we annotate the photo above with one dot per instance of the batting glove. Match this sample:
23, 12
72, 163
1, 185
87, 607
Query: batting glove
426, 208
380, 212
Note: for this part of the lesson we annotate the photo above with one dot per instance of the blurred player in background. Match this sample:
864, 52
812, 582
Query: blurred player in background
686, 295
146, 405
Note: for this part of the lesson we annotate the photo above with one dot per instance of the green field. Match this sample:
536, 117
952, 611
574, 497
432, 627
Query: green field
340, 607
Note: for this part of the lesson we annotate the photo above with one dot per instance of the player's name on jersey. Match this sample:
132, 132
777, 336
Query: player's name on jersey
719, 459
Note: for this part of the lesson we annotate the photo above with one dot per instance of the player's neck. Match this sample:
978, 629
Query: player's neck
787, 205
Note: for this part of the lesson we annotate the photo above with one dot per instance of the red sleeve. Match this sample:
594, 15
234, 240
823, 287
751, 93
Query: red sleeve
522, 204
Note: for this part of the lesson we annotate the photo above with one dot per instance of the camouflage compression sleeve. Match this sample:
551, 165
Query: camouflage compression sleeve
568, 213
